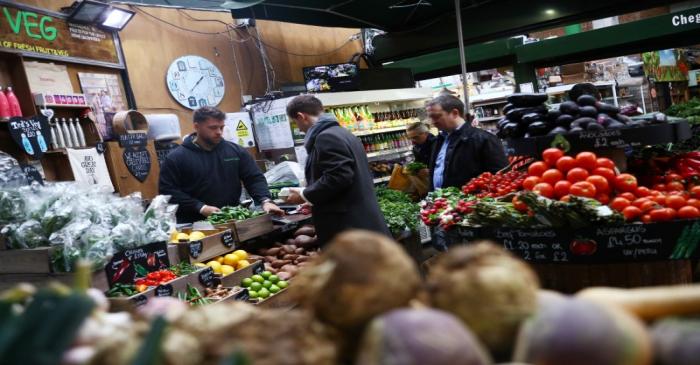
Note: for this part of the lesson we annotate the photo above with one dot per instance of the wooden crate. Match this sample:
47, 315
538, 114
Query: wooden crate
235, 278
254, 227
124, 182
26, 261
99, 279
281, 300
211, 246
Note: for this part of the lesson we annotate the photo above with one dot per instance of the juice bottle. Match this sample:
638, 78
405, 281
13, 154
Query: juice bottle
5, 112
15, 109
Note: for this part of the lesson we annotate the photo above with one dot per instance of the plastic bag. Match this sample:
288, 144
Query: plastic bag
11, 174
287, 171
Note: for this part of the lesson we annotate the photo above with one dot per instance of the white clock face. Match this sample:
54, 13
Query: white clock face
195, 82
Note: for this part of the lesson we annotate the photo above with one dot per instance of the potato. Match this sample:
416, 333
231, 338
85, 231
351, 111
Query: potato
290, 257
302, 258
305, 241
290, 241
273, 251
289, 248
291, 269
283, 275
306, 230
300, 251
280, 263
270, 258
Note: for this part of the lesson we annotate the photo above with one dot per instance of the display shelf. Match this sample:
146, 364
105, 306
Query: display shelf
610, 138
374, 96
373, 155
488, 99
379, 131
380, 180
47, 100
489, 119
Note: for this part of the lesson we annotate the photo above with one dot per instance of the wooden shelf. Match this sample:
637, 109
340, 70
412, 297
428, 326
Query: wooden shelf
374, 96
379, 131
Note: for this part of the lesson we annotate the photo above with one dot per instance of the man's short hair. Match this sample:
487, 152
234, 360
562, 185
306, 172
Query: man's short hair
448, 103
307, 104
419, 127
204, 113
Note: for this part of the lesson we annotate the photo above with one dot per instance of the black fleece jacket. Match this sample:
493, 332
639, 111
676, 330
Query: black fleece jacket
195, 177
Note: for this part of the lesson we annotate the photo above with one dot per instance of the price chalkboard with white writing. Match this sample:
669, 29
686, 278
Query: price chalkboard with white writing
125, 266
163, 149
32, 134
33, 175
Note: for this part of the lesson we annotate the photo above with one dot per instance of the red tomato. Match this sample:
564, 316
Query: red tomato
544, 189
675, 201
603, 198
551, 176
519, 205
659, 187
673, 177
577, 174
654, 192
537, 168
631, 212
629, 196
688, 212
672, 212
646, 218
626, 182
659, 199
583, 188
642, 191
675, 186
565, 198
530, 182
661, 214
638, 202
605, 172
620, 204
561, 188
551, 155
695, 192
586, 160
692, 202
601, 183
606, 163
649, 205
566, 163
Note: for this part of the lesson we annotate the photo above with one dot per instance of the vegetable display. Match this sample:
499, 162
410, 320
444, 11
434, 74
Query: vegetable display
155, 278
286, 259
399, 211
230, 214
263, 285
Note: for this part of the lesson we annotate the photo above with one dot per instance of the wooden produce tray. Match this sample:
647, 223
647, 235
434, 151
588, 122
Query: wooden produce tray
280, 300
235, 278
7, 281
26, 261
211, 246
250, 228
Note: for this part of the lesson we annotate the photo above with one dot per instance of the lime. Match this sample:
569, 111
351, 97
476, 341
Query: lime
257, 278
246, 282
274, 289
255, 286
265, 274
274, 278
263, 293
267, 284
282, 284
252, 294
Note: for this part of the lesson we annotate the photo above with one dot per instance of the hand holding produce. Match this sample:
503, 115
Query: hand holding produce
230, 214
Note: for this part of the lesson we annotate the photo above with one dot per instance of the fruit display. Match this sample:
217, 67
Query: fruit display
230, 214
527, 116
228, 264
149, 280
181, 237
264, 285
488, 185
286, 259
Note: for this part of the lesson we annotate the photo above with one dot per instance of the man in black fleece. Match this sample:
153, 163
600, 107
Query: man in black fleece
205, 172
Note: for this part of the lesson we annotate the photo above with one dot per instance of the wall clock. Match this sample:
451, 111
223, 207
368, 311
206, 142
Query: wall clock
195, 82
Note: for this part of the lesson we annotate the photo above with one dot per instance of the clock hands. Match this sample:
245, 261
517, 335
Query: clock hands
195, 85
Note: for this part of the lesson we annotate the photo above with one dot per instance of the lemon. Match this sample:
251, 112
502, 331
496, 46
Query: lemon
199, 264
242, 255
226, 270
196, 236
215, 265
173, 236
242, 264
182, 237
219, 259
231, 259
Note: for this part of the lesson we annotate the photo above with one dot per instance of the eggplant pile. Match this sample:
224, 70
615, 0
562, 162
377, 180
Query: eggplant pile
527, 116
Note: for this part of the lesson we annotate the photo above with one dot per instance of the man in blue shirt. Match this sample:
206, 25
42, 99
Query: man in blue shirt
462, 152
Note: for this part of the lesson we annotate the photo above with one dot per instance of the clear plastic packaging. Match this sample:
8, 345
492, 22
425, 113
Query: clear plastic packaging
285, 171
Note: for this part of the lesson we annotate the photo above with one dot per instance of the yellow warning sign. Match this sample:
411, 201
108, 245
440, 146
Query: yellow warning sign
242, 129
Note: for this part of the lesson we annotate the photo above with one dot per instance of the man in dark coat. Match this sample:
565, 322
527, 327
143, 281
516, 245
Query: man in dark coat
423, 141
461, 151
339, 184
205, 172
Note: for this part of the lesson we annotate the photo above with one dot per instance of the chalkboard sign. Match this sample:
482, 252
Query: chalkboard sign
196, 248
138, 162
207, 278
139, 300
127, 265
100, 147
32, 174
164, 290
32, 134
539, 245
133, 140
243, 295
163, 149
227, 239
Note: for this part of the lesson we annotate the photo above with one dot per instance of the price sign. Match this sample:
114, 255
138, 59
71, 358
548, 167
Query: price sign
207, 278
133, 140
127, 265
537, 245
243, 295
100, 147
32, 134
136, 156
139, 300
227, 239
32, 174
196, 248
164, 290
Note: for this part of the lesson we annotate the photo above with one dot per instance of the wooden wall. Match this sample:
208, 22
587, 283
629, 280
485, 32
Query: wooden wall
151, 45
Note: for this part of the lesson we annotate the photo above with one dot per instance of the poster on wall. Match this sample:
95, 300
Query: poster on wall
239, 129
48, 78
272, 127
665, 66
104, 96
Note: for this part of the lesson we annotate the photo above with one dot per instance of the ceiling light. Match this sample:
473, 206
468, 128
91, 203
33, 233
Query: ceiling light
100, 14
550, 11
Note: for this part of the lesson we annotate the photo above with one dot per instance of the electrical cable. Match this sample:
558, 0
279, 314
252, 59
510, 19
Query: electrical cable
175, 25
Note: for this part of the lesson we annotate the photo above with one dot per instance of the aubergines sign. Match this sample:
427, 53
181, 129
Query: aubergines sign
43, 34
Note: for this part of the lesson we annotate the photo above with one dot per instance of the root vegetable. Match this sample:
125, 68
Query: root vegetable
283, 275
290, 257
300, 251
270, 259
359, 276
291, 269
288, 249
302, 258
420, 337
305, 241
306, 230
290, 242
491, 291
272, 251
280, 263
676, 341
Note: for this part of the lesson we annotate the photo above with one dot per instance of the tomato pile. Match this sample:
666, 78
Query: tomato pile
664, 202
488, 185
156, 278
558, 176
